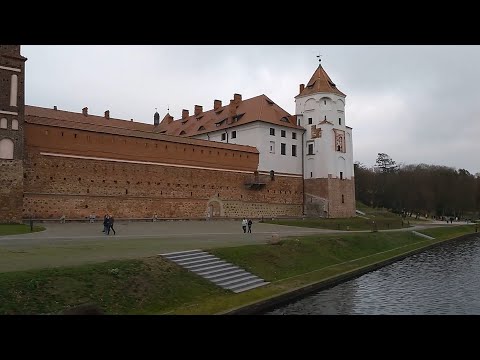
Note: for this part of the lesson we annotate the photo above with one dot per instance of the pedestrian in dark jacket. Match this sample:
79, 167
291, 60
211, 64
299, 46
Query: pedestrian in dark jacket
105, 224
249, 225
110, 222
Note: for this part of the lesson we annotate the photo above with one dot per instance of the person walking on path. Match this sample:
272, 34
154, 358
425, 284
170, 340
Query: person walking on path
244, 225
249, 223
111, 220
105, 224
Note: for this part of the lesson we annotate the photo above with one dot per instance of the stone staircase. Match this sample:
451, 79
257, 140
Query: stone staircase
214, 269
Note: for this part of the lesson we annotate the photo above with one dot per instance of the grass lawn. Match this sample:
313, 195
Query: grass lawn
155, 286
384, 220
13, 229
354, 223
140, 286
449, 232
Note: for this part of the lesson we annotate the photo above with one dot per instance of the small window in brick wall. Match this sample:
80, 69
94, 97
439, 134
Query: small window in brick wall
343, 199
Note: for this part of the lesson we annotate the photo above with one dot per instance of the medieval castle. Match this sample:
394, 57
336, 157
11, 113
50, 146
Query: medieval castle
246, 158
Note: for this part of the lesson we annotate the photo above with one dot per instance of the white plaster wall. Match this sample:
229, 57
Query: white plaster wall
257, 134
326, 160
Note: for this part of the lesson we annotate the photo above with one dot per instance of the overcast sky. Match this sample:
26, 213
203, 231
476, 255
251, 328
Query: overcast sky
418, 104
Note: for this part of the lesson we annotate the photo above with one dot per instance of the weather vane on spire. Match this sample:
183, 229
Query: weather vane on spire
319, 58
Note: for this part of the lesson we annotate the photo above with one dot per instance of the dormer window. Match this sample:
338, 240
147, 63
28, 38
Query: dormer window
201, 128
220, 123
182, 132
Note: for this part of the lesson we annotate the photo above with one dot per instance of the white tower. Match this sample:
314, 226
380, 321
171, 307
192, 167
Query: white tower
328, 153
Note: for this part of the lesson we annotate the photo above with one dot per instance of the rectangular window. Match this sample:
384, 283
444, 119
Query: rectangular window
339, 121
283, 149
343, 199
283, 133
294, 135
310, 149
341, 175
272, 147
224, 136
272, 131
294, 150
310, 120
234, 134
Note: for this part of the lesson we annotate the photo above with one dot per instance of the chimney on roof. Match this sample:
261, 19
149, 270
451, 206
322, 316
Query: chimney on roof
232, 108
107, 114
184, 114
131, 119
198, 110
85, 111
217, 104
237, 98
55, 107
302, 86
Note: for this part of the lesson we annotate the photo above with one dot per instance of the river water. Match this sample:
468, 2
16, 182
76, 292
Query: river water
442, 280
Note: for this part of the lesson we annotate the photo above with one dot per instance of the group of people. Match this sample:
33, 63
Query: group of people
247, 223
108, 221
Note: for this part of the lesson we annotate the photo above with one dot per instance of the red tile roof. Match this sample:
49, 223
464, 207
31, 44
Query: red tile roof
259, 108
65, 119
320, 82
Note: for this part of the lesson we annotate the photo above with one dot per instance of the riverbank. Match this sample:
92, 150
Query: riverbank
155, 286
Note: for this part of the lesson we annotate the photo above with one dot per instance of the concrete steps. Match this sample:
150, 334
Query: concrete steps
216, 270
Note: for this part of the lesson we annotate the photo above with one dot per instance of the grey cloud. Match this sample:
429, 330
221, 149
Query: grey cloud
415, 103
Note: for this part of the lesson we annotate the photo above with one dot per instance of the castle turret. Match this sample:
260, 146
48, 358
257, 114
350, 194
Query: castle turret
328, 154
12, 110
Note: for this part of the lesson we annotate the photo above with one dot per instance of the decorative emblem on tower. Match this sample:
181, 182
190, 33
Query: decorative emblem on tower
339, 140
316, 133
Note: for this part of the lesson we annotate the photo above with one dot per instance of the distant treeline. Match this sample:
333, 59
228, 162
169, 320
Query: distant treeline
424, 189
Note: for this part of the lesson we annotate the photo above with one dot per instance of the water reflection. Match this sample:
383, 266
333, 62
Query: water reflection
443, 280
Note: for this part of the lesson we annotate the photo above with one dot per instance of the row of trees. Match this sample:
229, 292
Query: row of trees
425, 189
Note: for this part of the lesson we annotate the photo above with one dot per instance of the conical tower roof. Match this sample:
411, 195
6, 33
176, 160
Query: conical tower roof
320, 82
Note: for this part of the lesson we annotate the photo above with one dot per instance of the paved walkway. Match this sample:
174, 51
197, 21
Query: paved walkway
221, 231
79, 243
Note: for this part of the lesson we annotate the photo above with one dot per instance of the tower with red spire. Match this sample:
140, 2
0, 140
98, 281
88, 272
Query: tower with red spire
328, 154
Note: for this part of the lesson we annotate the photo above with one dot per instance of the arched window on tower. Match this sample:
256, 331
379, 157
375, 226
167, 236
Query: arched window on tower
3, 123
6, 149
14, 124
